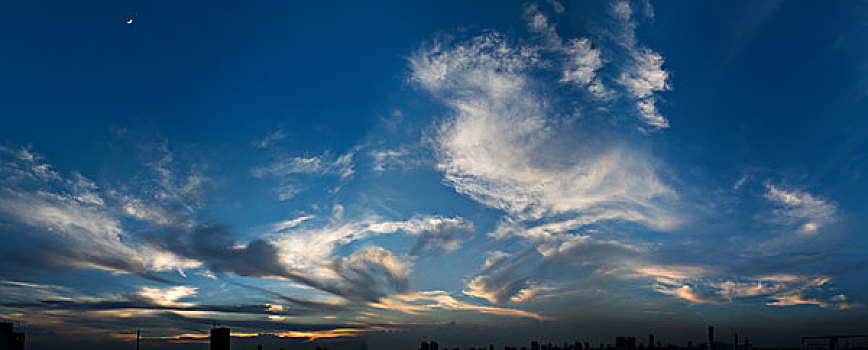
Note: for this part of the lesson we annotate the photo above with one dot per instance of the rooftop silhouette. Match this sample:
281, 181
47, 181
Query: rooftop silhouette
9, 339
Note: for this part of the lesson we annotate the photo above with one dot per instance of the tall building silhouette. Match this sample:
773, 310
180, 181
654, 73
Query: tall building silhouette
710, 337
9, 339
220, 338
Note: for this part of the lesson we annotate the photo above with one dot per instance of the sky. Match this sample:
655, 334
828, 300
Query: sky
348, 173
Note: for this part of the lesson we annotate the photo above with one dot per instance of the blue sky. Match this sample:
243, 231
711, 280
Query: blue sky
407, 170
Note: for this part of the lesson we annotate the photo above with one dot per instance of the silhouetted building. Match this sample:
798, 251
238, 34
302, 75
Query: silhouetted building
621, 343
651, 340
710, 337
424, 346
435, 345
534, 345
9, 339
220, 338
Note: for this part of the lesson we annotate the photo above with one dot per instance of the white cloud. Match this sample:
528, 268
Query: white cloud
373, 271
622, 10
504, 146
311, 249
341, 166
85, 191
500, 148
72, 220
801, 209
646, 76
402, 157
583, 62
288, 224
701, 285
383, 157
579, 60
286, 171
793, 298
643, 75
419, 302
169, 296
269, 139
170, 196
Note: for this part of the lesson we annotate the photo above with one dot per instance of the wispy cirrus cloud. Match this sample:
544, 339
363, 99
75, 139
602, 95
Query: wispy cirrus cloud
307, 253
506, 145
420, 302
642, 75
270, 139
72, 221
289, 172
801, 209
580, 62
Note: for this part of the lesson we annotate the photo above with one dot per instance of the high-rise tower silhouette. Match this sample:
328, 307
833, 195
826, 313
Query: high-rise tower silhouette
220, 338
9, 339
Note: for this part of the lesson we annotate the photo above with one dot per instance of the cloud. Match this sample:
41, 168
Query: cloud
288, 224
308, 254
642, 75
537, 292
581, 199
156, 309
500, 148
372, 273
580, 62
71, 222
307, 248
436, 234
317, 165
418, 302
167, 296
801, 209
168, 196
214, 246
700, 285
383, 157
505, 145
287, 171
503, 276
793, 298
565, 259
269, 139
402, 157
